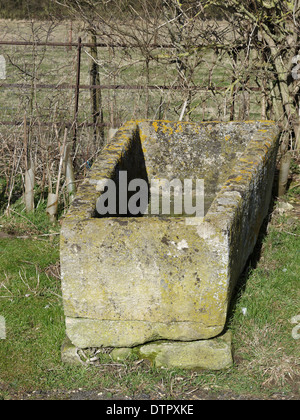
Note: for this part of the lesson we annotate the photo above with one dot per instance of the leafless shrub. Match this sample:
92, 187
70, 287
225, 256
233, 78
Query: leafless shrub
188, 60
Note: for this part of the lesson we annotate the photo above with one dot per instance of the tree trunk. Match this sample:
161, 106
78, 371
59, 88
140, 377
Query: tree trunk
284, 173
29, 189
52, 205
282, 79
297, 137
70, 178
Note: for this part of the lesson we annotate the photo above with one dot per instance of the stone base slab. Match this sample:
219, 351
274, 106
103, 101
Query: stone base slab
212, 354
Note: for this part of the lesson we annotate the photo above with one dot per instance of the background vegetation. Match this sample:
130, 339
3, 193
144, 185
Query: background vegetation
191, 60
33, 9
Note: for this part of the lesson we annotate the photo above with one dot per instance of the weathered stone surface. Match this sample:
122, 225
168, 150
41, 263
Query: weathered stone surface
130, 280
214, 354
69, 353
102, 333
121, 354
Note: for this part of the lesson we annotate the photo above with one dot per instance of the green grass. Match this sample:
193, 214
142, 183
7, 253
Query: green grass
30, 304
20, 223
263, 337
266, 356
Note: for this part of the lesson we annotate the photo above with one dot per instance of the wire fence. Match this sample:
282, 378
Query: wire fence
209, 88
90, 87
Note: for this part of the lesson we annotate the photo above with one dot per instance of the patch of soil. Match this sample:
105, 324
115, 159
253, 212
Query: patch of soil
4, 235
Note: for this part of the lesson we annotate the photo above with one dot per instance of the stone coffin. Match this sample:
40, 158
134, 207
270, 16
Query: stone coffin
131, 280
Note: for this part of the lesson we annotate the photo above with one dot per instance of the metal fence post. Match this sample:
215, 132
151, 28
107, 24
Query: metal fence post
77, 95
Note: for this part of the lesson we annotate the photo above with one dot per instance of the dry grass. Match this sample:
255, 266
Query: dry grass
266, 357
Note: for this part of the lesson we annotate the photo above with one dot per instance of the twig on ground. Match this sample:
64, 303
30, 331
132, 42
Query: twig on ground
24, 217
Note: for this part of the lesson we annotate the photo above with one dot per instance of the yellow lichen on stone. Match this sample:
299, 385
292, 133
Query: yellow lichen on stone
155, 125
167, 129
179, 128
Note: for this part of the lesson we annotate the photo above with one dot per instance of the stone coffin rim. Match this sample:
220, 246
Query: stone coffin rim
84, 204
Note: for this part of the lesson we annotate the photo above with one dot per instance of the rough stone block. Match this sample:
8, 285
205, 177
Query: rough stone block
69, 353
214, 354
